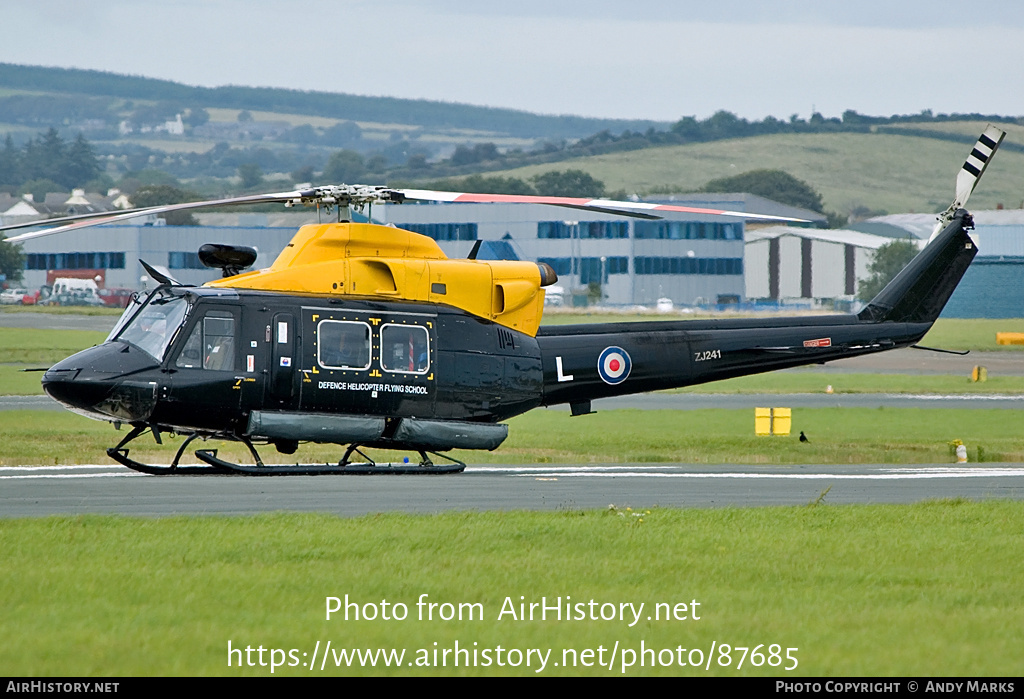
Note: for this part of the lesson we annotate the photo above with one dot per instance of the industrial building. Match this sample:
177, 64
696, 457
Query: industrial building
808, 265
812, 267
688, 258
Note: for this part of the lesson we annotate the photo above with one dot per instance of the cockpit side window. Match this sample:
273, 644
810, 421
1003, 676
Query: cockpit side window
211, 344
153, 327
134, 304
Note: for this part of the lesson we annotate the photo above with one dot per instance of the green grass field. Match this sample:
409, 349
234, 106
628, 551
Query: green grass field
852, 589
44, 347
817, 380
838, 436
64, 310
24, 348
847, 588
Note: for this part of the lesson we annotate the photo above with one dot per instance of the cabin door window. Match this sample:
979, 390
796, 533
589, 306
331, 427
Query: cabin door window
343, 345
404, 349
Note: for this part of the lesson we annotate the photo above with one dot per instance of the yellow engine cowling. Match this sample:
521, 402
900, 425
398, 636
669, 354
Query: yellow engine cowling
369, 260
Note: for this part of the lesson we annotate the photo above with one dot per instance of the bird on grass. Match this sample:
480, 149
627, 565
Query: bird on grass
803, 438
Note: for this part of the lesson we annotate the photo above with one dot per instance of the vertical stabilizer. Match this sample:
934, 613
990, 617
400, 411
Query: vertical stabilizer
920, 292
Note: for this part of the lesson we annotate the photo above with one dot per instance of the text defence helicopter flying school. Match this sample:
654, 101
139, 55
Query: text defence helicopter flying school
368, 336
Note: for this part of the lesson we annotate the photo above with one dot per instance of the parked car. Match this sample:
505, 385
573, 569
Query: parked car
37, 297
12, 296
116, 297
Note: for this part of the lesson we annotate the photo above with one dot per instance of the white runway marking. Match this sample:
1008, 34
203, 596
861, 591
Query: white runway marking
592, 471
75, 471
953, 396
71, 475
895, 473
51, 469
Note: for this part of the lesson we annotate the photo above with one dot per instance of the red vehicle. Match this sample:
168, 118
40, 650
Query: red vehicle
116, 297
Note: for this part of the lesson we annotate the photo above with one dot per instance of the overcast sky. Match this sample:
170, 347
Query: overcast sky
648, 59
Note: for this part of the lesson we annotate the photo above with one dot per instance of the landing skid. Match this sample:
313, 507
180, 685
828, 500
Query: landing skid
120, 455
342, 468
217, 466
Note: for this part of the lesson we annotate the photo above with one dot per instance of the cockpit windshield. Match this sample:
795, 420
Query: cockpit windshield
150, 324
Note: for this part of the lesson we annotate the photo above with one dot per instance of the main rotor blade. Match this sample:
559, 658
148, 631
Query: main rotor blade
361, 195
624, 208
93, 219
65, 219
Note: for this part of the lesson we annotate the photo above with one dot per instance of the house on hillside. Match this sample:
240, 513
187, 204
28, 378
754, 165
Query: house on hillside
25, 208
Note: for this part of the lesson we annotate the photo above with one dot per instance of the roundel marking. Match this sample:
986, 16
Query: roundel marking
614, 365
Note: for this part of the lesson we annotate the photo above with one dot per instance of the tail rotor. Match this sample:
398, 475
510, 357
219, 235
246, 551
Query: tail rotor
967, 179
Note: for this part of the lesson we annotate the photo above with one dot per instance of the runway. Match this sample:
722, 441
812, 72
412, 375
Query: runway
71, 490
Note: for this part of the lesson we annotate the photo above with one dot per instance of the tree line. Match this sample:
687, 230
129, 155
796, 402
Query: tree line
48, 159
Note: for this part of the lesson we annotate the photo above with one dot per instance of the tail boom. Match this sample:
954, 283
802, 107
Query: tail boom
586, 362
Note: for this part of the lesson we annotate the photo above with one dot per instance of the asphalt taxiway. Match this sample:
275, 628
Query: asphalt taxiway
34, 492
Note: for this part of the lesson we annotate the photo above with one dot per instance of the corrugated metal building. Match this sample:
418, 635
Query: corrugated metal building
112, 253
689, 258
785, 263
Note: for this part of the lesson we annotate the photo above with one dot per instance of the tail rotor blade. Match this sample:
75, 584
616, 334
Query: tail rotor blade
974, 167
976, 163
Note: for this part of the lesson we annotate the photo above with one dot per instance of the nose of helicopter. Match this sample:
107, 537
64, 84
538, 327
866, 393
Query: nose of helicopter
105, 382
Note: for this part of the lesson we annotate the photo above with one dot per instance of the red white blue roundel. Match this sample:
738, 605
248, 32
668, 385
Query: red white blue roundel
613, 365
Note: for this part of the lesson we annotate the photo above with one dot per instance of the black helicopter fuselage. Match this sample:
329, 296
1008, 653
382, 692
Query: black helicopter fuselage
290, 359
286, 368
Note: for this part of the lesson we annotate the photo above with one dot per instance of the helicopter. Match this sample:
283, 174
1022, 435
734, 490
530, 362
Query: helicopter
367, 336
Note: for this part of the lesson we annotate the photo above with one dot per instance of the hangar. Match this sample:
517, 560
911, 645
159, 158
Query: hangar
808, 265
814, 267
689, 258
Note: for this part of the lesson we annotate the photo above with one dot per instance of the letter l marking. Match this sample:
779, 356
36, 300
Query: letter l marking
561, 377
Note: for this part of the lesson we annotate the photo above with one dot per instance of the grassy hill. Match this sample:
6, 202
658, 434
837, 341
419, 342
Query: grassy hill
74, 95
901, 165
898, 174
